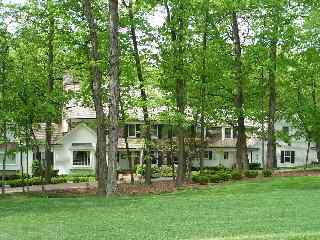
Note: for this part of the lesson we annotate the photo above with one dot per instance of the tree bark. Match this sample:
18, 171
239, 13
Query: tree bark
48, 130
203, 89
271, 145
4, 159
308, 150
97, 92
113, 95
143, 95
242, 152
177, 41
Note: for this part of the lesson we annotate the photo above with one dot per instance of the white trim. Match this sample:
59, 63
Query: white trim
82, 166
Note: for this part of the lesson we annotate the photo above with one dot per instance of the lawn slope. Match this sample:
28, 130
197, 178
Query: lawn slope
278, 208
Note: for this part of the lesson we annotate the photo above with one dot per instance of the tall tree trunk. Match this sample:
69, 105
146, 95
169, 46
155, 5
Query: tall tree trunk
113, 95
242, 152
97, 92
3, 181
48, 155
203, 89
271, 145
21, 167
262, 125
308, 150
177, 42
129, 157
36, 149
143, 95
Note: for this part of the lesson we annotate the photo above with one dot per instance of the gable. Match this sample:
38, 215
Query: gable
80, 134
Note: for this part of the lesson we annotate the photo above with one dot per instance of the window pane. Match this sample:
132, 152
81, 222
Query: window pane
206, 155
226, 155
81, 158
132, 130
227, 133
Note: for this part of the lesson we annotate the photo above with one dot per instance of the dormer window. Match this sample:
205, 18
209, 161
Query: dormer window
227, 133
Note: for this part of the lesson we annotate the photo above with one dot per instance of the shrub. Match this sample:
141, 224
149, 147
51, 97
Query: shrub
57, 180
36, 170
79, 179
34, 181
267, 173
163, 171
83, 173
202, 179
166, 171
216, 168
254, 166
215, 178
251, 173
17, 183
140, 169
236, 175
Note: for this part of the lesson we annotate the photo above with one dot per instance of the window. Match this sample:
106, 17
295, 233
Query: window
10, 158
287, 156
227, 133
155, 131
225, 155
131, 130
208, 155
235, 132
81, 158
154, 157
171, 132
285, 130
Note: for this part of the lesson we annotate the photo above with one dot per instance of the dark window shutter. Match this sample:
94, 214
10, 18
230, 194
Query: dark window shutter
138, 134
51, 158
170, 131
282, 156
293, 155
210, 155
159, 131
126, 129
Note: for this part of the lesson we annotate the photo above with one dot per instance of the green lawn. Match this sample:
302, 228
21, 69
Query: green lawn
279, 208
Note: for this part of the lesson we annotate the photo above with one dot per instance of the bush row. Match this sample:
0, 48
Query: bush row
223, 174
163, 171
55, 180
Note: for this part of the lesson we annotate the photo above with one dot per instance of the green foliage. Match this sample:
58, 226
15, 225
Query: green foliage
82, 173
251, 173
254, 166
236, 175
267, 173
57, 180
163, 171
201, 179
36, 168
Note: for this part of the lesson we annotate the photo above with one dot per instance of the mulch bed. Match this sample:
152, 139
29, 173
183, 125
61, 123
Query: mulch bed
157, 187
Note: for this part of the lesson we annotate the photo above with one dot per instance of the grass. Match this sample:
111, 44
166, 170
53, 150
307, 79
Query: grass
275, 208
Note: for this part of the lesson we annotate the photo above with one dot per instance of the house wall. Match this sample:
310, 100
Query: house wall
63, 151
16, 165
